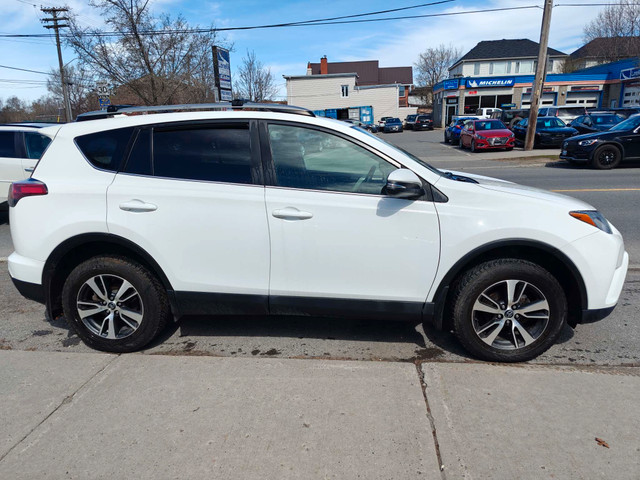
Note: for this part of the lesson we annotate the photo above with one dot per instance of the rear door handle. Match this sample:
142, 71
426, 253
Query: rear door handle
291, 213
29, 169
137, 206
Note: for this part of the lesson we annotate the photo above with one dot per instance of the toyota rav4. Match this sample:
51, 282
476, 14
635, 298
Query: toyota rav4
133, 221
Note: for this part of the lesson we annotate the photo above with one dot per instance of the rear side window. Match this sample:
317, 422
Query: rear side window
105, 150
36, 144
219, 153
8, 145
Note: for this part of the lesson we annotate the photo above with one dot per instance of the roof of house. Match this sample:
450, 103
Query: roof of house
369, 72
519, 48
624, 47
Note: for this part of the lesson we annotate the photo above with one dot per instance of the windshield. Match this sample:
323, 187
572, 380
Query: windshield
629, 124
402, 150
550, 122
490, 125
606, 119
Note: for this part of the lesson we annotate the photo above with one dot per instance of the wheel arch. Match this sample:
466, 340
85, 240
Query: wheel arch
75, 250
547, 256
609, 143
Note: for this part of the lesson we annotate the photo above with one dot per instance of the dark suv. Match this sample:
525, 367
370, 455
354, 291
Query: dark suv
605, 150
423, 122
511, 117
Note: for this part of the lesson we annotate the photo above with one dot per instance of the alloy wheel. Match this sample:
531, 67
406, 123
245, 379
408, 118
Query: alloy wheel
109, 306
510, 315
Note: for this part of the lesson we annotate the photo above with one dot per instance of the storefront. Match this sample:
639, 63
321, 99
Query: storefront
630, 94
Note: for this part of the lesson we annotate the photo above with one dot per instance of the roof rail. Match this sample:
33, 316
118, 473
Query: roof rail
235, 105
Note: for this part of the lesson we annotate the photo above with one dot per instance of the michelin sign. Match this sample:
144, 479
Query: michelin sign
489, 82
630, 74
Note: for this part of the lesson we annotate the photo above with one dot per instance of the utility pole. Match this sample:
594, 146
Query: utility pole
536, 91
54, 12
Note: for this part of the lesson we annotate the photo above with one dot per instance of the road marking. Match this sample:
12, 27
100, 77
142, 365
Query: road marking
600, 190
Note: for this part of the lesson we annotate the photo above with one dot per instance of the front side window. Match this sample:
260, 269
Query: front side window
208, 153
36, 145
315, 160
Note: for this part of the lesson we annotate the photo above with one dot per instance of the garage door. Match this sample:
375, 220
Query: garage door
631, 97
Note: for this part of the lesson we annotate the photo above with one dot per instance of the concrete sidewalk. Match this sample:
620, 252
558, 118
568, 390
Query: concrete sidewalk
159, 417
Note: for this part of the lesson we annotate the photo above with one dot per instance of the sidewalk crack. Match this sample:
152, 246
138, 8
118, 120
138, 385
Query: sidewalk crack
65, 401
423, 385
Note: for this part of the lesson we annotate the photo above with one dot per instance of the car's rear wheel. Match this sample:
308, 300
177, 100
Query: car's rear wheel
508, 310
446, 139
606, 157
114, 304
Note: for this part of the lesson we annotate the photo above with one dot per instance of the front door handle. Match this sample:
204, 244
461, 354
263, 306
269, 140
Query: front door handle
29, 169
291, 213
137, 206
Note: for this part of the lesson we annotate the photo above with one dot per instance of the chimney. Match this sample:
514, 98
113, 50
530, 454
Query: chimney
309, 71
324, 66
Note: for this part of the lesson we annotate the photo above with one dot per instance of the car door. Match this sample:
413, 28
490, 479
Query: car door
10, 162
337, 243
191, 195
631, 142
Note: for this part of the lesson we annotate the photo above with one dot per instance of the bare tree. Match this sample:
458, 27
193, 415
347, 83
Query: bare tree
432, 67
14, 110
254, 82
82, 96
620, 24
152, 60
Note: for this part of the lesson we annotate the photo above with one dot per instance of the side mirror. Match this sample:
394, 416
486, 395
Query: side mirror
403, 183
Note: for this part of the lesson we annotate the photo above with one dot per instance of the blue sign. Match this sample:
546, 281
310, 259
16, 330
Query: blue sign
490, 82
630, 73
451, 84
104, 102
366, 115
224, 68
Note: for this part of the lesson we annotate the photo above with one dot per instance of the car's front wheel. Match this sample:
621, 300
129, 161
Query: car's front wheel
114, 304
606, 157
508, 310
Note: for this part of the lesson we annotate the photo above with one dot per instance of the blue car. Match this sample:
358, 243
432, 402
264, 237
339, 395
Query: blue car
392, 125
452, 132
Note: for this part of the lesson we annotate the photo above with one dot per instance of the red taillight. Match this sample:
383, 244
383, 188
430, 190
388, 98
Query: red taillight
26, 188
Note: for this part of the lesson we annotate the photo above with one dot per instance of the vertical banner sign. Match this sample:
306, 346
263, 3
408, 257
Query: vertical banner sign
222, 71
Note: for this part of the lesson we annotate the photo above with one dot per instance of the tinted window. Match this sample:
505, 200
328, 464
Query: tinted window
489, 125
606, 119
36, 144
105, 150
8, 145
139, 161
550, 122
310, 159
629, 124
571, 111
215, 154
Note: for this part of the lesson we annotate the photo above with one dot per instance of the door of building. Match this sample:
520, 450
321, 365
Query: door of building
451, 111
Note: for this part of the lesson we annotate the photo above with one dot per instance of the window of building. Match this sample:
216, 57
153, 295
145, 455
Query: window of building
211, 153
476, 68
315, 160
508, 67
401, 91
344, 91
497, 68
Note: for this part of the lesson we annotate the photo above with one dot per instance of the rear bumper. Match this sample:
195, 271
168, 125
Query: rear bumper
32, 291
591, 316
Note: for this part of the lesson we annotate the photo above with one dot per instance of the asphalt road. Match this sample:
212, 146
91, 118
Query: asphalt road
613, 341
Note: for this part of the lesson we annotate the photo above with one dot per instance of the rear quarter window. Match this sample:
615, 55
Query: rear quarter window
105, 150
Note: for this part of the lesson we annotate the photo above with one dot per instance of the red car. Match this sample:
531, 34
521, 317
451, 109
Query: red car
486, 134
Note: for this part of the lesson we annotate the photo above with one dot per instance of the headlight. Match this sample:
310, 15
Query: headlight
586, 143
480, 137
592, 217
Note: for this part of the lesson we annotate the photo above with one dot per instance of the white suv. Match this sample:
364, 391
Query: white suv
21, 146
128, 222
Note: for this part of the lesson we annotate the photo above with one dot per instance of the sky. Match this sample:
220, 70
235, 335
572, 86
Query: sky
286, 51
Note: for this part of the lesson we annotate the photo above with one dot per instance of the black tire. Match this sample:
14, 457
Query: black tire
473, 146
509, 149
151, 305
606, 157
535, 282
446, 139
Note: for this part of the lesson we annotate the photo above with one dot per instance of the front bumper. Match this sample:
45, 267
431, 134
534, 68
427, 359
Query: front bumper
31, 291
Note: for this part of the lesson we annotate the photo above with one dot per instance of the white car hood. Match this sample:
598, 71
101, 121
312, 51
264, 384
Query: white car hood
504, 186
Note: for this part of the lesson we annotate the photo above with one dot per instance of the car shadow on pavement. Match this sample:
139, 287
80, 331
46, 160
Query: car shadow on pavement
4, 217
